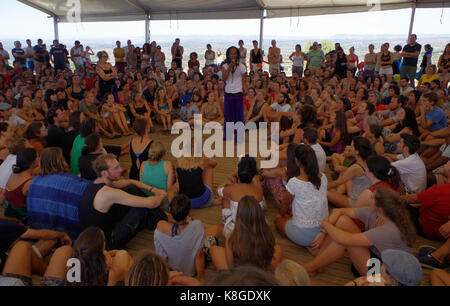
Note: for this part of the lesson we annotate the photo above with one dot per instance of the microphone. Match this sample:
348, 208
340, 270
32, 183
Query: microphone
234, 67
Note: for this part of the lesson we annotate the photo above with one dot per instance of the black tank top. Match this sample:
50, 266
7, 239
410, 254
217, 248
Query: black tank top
191, 182
386, 57
89, 216
256, 58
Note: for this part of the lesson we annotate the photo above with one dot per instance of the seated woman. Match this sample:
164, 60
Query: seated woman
387, 226
139, 109
407, 123
211, 111
27, 161
257, 108
93, 148
139, 146
195, 180
250, 243
308, 194
231, 194
115, 114
35, 133
275, 180
181, 240
157, 172
361, 150
151, 269
163, 108
99, 267
334, 136
380, 173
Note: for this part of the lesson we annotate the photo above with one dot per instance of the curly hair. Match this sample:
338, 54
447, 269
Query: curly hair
394, 208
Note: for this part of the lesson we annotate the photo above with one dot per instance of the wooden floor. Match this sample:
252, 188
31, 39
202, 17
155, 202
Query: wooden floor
336, 274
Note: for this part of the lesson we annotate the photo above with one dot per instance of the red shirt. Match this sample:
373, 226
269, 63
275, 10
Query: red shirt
435, 210
380, 107
90, 82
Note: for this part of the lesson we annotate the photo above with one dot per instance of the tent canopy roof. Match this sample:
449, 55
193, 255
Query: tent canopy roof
131, 10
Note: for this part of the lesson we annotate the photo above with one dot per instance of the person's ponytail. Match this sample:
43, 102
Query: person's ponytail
308, 160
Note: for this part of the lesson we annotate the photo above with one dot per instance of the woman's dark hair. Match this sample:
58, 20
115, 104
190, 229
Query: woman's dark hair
398, 48
341, 125
149, 269
228, 59
87, 127
409, 122
394, 208
309, 115
74, 120
347, 104
376, 130
3, 126
308, 100
382, 169
252, 241
140, 125
247, 169
24, 160
180, 207
363, 146
428, 47
292, 167
306, 157
33, 130
88, 249
91, 143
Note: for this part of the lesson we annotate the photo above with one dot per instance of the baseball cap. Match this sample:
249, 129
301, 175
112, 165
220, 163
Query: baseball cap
402, 266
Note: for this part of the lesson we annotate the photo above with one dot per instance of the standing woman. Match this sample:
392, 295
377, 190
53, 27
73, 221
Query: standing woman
353, 61
444, 66
340, 63
210, 56
297, 58
107, 74
234, 75
397, 55
146, 56
426, 60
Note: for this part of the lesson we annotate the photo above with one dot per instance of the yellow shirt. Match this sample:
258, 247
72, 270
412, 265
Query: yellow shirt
119, 54
426, 79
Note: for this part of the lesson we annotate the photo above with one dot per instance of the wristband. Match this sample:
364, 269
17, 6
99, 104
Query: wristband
324, 233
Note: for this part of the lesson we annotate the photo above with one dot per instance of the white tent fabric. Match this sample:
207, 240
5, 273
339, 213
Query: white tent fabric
131, 10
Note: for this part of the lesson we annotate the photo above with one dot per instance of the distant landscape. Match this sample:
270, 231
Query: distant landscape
287, 44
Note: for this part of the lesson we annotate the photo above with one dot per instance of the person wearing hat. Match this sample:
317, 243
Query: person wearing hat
399, 268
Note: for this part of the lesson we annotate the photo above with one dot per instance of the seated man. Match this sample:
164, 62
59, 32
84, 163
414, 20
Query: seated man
397, 103
433, 209
432, 120
411, 168
58, 200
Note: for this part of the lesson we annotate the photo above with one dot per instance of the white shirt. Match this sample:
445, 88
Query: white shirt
5, 55
277, 107
6, 170
234, 82
310, 205
321, 156
412, 172
445, 149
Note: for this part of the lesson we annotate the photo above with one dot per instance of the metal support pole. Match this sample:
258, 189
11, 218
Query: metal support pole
147, 28
261, 30
55, 27
411, 24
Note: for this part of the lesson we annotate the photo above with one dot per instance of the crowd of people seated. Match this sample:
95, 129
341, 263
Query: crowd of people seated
368, 138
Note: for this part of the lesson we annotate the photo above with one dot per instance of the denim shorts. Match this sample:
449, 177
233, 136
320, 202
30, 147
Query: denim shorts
301, 235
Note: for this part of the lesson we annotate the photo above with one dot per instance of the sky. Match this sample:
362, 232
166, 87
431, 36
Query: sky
26, 22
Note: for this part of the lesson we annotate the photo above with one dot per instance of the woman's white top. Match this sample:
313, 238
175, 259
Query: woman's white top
310, 205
